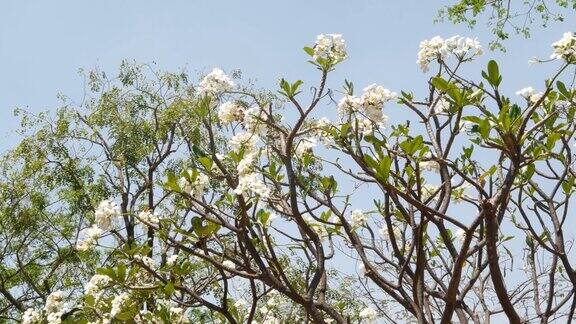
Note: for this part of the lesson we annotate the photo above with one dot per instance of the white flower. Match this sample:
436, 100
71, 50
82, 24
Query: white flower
255, 120
305, 146
438, 48
460, 235
565, 48
197, 186
252, 184
373, 99
31, 316
229, 112
147, 261
526, 93
362, 270
55, 318
148, 217
246, 141
368, 314
171, 260
106, 211
358, 218
330, 47
229, 264
96, 284
215, 82
245, 165
348, 105
54, 302
363, 126
119, 303
442, 106
89, 237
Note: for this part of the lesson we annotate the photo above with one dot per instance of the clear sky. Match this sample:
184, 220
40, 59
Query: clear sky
44, 43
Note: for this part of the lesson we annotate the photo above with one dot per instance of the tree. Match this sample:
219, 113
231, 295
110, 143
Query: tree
167, 201
506, 16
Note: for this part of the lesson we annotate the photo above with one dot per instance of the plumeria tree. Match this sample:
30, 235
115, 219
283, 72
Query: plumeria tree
162, 200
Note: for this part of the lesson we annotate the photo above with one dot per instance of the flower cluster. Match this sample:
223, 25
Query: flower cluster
147, 261
439, 48
369, 315
244, 140
195, 187
89, 237
370, 104
229, 112
106, 211
252, 184
358, 218
565, 48
215, 82
96, 284
305, 147
119, 303
331, 47
31, 316
148, 217
54, 307
529, 94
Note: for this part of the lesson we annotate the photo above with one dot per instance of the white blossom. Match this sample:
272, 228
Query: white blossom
171, 260
105, 213
252, 184
330, 47
89, 238
96, 284
348, 104
215, 82
229, 264
31, 316
246, 163
54, 302
358, 218
197, 186
442, 106
305, 146
439, 48
246, 141
148, 217
373, 99
119, 303
369, 315
565, 48
362, 269
229, 112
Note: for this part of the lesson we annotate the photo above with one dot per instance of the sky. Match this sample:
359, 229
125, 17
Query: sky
44, 43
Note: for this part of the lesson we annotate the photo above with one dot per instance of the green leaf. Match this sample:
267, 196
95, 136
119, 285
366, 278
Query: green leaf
169, 289
309, 50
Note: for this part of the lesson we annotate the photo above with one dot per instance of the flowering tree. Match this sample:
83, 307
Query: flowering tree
160, 200
504, 16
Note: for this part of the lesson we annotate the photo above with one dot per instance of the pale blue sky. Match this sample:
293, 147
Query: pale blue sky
44, 43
